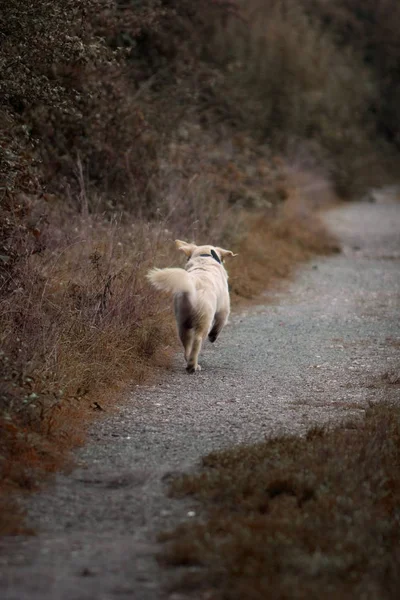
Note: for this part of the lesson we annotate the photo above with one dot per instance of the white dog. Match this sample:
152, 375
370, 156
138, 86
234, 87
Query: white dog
201, 296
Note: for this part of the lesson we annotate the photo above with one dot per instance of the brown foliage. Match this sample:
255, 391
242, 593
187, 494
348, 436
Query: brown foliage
71, 87
296, 517
64, 97
371, 28
287, 81
275, 243
78, 324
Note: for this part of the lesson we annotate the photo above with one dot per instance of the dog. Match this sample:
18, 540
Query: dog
201, 296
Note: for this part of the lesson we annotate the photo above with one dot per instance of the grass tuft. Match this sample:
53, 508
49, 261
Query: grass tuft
296, 517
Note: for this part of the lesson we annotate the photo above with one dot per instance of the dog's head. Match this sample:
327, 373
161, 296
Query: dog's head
193, 251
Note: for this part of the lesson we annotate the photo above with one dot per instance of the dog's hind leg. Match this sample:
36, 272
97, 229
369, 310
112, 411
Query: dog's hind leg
185, 320
192, 364
220, 320
186, 336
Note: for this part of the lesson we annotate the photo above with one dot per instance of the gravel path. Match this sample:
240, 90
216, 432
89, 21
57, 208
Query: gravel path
314, 354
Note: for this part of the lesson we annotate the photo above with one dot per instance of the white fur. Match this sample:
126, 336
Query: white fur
201, 297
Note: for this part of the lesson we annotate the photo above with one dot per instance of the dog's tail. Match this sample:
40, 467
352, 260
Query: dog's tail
172, 280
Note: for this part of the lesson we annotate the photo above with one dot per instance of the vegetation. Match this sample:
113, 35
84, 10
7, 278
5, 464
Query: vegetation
125, 124
371, 30
296, 517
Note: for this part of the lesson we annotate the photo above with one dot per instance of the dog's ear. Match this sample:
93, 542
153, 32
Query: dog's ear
188, 249
224, 253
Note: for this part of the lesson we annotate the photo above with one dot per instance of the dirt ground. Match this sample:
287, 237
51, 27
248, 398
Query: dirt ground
314, 353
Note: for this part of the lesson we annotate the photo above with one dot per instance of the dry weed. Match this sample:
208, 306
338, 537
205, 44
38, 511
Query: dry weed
275, 243
78, 323
297, 517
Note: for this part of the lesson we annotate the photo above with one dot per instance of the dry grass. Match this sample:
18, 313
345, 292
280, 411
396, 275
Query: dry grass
78, 322
276, 243
296, 517
372, 29
78, 325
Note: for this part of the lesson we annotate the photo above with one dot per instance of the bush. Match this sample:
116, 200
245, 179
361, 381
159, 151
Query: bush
372, 29
64, 97
287, 80
72, 88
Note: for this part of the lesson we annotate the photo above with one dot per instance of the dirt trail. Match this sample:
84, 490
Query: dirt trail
308, 357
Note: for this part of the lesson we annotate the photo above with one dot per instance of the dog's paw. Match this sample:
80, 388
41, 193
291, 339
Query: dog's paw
212, 337
193, 369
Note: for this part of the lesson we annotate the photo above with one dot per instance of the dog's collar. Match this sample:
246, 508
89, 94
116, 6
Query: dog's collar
213, 255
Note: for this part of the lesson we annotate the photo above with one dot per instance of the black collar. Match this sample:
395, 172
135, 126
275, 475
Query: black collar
213, 255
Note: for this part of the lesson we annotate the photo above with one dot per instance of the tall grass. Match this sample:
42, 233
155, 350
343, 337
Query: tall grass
77, 324
78, 321
371, 28
288, 81
76, 312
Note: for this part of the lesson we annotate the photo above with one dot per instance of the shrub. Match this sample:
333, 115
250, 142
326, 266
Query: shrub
371, 28
287, 80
